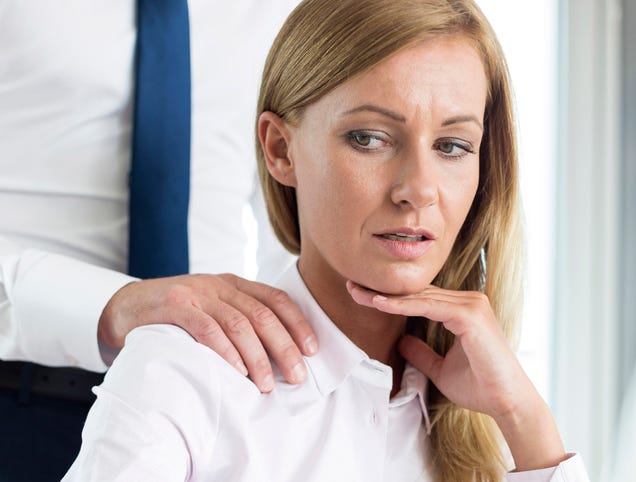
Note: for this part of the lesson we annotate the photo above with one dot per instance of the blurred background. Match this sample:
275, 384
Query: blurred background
573, 67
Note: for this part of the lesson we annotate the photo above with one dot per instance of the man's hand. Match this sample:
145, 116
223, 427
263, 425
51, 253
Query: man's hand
240, 320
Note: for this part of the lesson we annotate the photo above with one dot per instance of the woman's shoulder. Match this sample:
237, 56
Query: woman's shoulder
160, 334
165, 344
161, 366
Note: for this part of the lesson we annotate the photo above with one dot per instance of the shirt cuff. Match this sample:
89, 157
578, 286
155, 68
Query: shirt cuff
570, 470
58, 302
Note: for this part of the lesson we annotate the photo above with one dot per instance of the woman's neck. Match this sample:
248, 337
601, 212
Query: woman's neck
373, 331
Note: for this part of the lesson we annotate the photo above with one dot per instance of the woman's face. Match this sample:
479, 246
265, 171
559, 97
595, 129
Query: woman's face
386, 167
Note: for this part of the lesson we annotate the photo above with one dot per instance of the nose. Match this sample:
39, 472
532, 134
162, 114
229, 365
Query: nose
416, 181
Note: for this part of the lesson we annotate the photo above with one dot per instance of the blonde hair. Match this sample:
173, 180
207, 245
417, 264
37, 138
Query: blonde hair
326, 42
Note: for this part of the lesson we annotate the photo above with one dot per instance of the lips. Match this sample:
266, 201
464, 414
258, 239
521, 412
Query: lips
407, 234
409, 238
405, 243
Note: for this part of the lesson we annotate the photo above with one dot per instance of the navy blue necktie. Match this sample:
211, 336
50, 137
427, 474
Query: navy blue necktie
160, 173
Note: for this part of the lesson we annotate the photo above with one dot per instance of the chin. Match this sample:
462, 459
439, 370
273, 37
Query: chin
398, 281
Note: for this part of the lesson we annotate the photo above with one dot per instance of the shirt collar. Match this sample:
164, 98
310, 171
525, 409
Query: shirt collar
414, 384
338, 356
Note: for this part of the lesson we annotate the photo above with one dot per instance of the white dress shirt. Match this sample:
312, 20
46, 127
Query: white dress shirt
66, 90
170, 409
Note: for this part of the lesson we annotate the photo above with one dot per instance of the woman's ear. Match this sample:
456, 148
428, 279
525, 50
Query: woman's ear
275, 137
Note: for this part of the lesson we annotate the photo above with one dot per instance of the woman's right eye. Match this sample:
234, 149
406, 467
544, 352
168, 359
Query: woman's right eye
367, 140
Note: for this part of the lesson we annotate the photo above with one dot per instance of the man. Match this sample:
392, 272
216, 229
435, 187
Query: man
67, 75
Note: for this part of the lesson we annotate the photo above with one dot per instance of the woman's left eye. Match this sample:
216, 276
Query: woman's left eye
366, 140
453, 148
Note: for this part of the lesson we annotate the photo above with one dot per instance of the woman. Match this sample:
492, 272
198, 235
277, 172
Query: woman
388, 161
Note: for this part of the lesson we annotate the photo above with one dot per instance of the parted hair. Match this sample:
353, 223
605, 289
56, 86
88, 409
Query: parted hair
323, 44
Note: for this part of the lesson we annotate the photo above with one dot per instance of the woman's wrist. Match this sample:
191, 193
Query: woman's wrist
532, 435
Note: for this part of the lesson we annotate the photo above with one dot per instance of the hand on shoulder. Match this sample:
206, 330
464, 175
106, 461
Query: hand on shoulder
241, 320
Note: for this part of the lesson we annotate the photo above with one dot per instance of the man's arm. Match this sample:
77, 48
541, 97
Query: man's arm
49, 307
52, 308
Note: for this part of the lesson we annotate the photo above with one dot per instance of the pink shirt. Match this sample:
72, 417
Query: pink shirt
171, 409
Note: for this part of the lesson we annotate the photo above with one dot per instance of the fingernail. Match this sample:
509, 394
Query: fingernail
311, 346
240, 366
298, 373
379, 298
268, 384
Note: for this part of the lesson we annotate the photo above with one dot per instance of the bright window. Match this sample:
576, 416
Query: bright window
527, 32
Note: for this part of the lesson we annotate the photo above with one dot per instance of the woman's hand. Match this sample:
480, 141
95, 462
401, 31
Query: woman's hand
480, 372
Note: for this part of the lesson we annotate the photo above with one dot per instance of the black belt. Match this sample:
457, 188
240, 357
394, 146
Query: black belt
64, 383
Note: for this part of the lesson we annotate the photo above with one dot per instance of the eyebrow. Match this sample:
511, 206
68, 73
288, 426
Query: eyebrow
462, 118
400, 118
379, 110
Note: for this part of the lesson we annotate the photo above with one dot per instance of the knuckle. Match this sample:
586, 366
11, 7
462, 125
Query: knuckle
209, 333
480, 296
236, 324
205, 281
288, 352
177, 294
278, 296
483, 300
228, 278
262, 316
261, 364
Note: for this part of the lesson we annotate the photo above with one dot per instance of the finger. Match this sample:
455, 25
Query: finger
457, 295
239, 330
272, 334
455, 316
364, 296
286, 311
360, 295
421, 356
207, 331
409, 305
